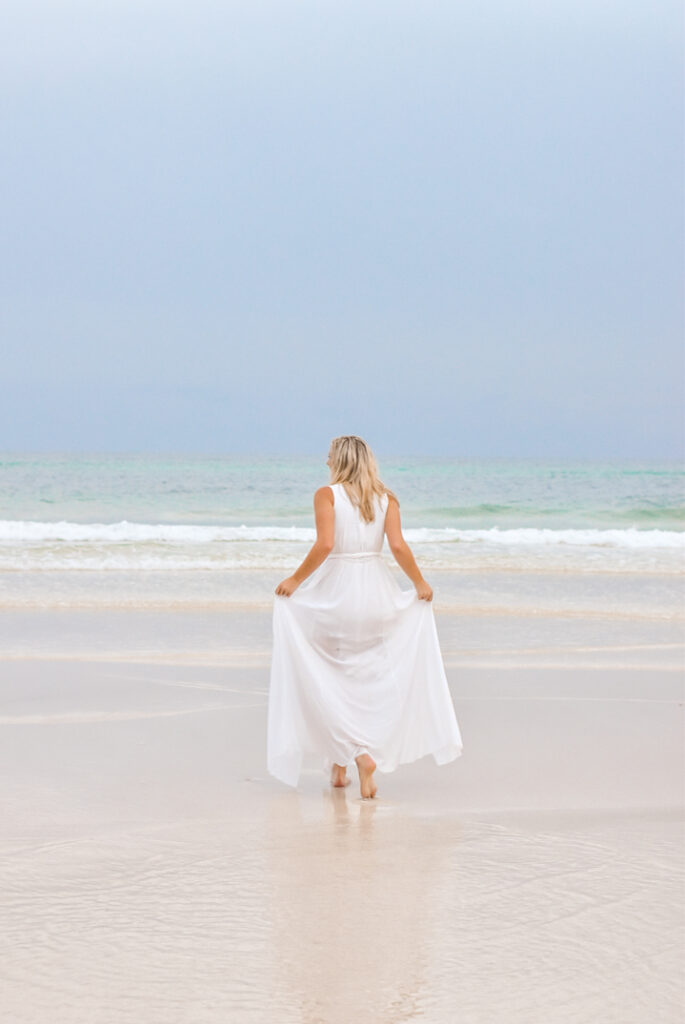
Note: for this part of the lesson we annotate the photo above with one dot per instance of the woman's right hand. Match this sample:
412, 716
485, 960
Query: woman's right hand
424, 591
287, 587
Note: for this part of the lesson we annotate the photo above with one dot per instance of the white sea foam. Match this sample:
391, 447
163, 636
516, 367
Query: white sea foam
32, 546
530, 536
19, 531
165, 533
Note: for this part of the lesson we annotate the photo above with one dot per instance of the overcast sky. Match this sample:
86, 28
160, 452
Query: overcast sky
452, 227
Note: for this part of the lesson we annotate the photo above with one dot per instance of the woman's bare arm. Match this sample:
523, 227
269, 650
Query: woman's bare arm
402, 551
324, 516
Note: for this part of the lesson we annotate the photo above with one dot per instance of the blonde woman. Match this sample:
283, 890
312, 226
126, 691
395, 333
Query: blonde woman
357, 675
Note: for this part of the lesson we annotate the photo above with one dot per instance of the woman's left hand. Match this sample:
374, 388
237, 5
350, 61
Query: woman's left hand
287, 587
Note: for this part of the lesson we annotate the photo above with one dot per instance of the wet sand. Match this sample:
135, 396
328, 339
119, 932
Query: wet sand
152, 870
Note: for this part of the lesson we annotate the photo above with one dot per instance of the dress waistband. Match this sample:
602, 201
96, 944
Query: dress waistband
355, 554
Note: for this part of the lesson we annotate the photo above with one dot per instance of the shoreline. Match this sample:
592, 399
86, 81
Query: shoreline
534, 736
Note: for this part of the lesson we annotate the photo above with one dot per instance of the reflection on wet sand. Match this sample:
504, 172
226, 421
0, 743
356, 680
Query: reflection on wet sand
351, 900
379, 912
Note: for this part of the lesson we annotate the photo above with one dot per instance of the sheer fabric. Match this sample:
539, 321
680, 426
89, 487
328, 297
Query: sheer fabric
356, 662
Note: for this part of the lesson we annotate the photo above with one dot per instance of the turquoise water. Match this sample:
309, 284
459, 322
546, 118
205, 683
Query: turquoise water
174, 513
231, 491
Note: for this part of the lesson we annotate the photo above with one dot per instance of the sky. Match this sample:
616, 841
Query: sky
455, 228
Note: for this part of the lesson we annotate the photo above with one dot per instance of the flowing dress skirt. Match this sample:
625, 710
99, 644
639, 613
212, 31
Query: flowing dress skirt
356, 669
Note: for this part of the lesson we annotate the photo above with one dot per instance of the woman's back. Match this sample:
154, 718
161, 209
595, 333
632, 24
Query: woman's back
352, 534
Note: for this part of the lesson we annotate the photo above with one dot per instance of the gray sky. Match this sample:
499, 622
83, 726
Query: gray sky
453, 227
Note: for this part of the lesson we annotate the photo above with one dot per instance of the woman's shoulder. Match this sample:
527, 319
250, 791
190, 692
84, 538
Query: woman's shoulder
325, 493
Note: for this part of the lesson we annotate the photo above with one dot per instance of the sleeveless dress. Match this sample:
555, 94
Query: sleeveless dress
356, 664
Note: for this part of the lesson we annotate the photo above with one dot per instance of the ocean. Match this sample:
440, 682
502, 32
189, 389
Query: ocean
178, 511
167, 531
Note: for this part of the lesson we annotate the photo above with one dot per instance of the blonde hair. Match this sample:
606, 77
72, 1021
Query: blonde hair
352, 464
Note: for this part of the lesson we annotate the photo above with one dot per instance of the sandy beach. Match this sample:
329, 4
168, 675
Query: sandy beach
153, 871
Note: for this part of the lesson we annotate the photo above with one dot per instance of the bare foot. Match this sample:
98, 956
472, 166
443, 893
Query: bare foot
366, 766
339, 776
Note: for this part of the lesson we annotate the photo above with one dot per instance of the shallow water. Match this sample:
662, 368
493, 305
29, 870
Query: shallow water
334, 910
153, 871
486, 619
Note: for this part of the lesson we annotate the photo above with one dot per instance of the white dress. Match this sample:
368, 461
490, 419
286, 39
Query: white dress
356, 662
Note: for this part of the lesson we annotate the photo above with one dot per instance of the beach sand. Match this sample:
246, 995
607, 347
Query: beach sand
153, 872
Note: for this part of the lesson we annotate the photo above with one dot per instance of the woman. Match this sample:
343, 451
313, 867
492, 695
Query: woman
357, 674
